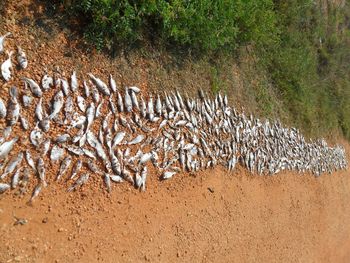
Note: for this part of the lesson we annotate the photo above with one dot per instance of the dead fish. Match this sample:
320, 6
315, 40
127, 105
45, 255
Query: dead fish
12, 164
137, 139
34, 87
100, 85
36, 192
57, 104
145, 158
76, 168
79, 182
24, 122
90, 116
22, 58
116, 178
134, 100
107, 180
15, 178
36, 136
4, 187
81, 103
3, 109
98, 109
13, 109
93, 168
138, 180
65, 87
127, 176
30, 160
95, 95
75, 150
44, 124
6, 148
39, 113
127, 100
46, 82
6, 66
86, 89
118, 139
27, 100
144, 177
64, 167
74, 82
45, 146
2, 41
135, 89
56, 153
116, 167
112, 83
112, 105
120, 102
40, 168
68, 109
168, 175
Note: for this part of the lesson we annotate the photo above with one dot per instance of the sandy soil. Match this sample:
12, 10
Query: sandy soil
214, 217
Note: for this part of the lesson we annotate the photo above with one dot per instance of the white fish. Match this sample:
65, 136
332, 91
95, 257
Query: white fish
27, 100
39, 113
46, 82
127, 100
6, 148
6, 66
65, 87
74, 82
68, 109
30, 160
76, 168
168, 175
81, 103
95, 95
138, 180
22, 58
90, 116
135, 89
120, 103
145, 158
57, 104
40, 168
107, 180
112, 83
118, 139
134, 100
45, 147
2, 41
34, 87
13, 108
44, 124
98, 109
64, 167
4, 187
24, 122
86, 89
15, 178
117, 178
56, 153
3, 110
36, 136
100, 85
36, 192
144, 177
12, 164
137, 139
79, 182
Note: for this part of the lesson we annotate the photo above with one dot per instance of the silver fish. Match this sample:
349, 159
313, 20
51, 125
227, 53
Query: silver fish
40, 168
27, 100
135, 89
46, 82
116, 178
79, 182
100, 85
3, 110
98, 109
13, 107
120, 102
127, 100
76, 168
137, 139
36, 137
2, 41
90, 116
30, 160
12, 164
4, 187
81, 103
74, 82
56, 153
138, 180
118, 139
134, 100
6, 66
144, 177
15, 178
65, 87
63, 138
39, 113
64, 167
57, 104
22, 58
112, 83
107, 180
168, 175
145, 158
95, 95
45, 146
86, 89
68, 108
34, 87
6, 148
75, 150
36, 192
44, 124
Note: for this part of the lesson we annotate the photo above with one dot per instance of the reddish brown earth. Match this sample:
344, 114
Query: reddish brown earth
215, 216
242, 218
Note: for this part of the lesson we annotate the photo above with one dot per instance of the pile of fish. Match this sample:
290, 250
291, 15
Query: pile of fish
119, 135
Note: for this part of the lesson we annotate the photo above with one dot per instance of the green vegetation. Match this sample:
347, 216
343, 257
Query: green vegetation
302, 46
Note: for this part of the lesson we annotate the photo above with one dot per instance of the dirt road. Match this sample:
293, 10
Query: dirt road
214, 217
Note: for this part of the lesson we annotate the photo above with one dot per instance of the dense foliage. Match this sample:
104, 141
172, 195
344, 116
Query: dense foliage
303, 45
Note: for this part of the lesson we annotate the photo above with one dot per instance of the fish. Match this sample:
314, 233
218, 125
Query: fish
120, 102
64, 167
134, 100
65, 87
6, 66
2, 41
145, 158
138, 180
134, 89
168, 175
144, 177
13, 109
98, 109
74, 82
27, 100
100, 85
4, 187
137, 139
118, 138
68, 109
127, 100
45, 146
107, 180
81, 103
116, 178
76, 168
86, 89
79, 182
112, 83
44, 124
57, 104
90, 116
39, 113
95, 95
40, 168
6, 148
22, 58
12, 164
24, 123
36, 137
15, 178
56, 153
30, 160
36, 192
46, 82
34, 87
75, 150
3, 110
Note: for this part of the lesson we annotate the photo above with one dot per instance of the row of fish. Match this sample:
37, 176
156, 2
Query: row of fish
120, 134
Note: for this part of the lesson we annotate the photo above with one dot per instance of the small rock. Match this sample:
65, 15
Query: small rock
60, 229
211, 189
45, 220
